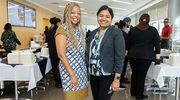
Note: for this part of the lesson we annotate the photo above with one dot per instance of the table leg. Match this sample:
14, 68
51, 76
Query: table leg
2, 87
16, 90
177, 89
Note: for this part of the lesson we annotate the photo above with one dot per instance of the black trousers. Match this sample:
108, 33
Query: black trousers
165, 44
55, 69
124, 68
100, 87
139, 71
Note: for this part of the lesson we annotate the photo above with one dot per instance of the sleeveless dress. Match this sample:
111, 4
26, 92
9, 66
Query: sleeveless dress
76, 60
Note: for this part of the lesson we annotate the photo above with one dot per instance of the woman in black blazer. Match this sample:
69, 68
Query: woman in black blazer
106, 50
143, 47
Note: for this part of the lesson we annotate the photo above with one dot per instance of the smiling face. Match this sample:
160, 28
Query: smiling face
104, 19
75, 15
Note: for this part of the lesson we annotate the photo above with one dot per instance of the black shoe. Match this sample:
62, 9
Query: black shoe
122, 86
142, 97
58, 86
125, 81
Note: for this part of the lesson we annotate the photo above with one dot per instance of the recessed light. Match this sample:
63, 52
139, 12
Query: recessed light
122, 2
62, 6
73, 1
84, 12
82, 8
117, 13
118, 8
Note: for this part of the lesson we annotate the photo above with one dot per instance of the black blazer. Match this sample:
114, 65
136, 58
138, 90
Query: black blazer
51, 42
112, 50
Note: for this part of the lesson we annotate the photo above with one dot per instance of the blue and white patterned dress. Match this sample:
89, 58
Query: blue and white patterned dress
76, 60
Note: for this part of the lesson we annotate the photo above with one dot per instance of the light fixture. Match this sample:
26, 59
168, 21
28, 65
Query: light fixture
122, 2
117, 13
82, 8
84, 12
118, 8
74, 1
61, 6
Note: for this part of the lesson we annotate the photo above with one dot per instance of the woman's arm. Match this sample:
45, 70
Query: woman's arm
61, 51
119, 49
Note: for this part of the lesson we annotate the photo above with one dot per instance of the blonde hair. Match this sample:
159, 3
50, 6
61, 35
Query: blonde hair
67, 21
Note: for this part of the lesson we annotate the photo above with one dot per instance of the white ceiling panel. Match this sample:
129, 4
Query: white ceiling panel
90, 7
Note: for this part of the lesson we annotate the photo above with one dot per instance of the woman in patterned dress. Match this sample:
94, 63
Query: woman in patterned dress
70, 44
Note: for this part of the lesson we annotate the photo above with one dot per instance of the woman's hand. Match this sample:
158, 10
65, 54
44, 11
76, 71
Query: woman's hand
74, 81
115, 85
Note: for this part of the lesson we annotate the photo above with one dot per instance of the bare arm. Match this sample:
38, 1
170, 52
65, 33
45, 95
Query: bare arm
169, 36
61, 51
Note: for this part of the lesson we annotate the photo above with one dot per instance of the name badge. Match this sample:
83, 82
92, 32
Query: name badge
93, 61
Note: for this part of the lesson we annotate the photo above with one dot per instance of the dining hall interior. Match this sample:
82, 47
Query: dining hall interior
27, 69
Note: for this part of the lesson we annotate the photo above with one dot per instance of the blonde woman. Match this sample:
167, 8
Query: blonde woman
70, 43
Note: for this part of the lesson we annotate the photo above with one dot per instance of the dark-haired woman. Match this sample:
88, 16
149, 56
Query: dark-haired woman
143, 47
106, 49
9, 38
122, 26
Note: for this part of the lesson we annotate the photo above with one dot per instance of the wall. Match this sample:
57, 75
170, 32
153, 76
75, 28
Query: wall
23, 33
157, 12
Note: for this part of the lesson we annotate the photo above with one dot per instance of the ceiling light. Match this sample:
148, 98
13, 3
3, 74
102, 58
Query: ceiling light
122, 2
84, 12
82, 8
118, 8
62, 6
117, 13
74, 1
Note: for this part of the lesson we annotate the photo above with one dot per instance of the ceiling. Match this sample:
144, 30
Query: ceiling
89, 8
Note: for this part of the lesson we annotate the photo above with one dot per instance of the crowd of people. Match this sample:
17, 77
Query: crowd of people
108, 48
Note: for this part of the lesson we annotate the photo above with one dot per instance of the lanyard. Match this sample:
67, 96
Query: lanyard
103, 31
98, 41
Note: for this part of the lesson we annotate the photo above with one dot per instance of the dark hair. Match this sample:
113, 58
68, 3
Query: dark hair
46, 28
121, 24
52, 20
57, 20
105, 7
116, 23
7, 28
166, 19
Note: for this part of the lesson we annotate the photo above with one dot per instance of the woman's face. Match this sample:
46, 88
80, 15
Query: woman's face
75, 15
104, 18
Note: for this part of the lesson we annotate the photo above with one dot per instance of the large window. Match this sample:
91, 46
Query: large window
19, 15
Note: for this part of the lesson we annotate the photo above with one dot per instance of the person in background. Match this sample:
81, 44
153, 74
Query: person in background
87, 34
122, 26
116, 25
130, 27
143, 47
106, 50
127, 20
166, 34
70, 45
9, 38
52, 51
45, 32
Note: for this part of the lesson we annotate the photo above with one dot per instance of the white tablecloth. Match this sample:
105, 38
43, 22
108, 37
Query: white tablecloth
29, 73
157, 72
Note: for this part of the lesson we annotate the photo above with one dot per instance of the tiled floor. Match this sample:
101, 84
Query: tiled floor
52, 93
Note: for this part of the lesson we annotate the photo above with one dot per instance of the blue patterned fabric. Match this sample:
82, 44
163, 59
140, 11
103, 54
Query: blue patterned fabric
95, 53
76, 60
